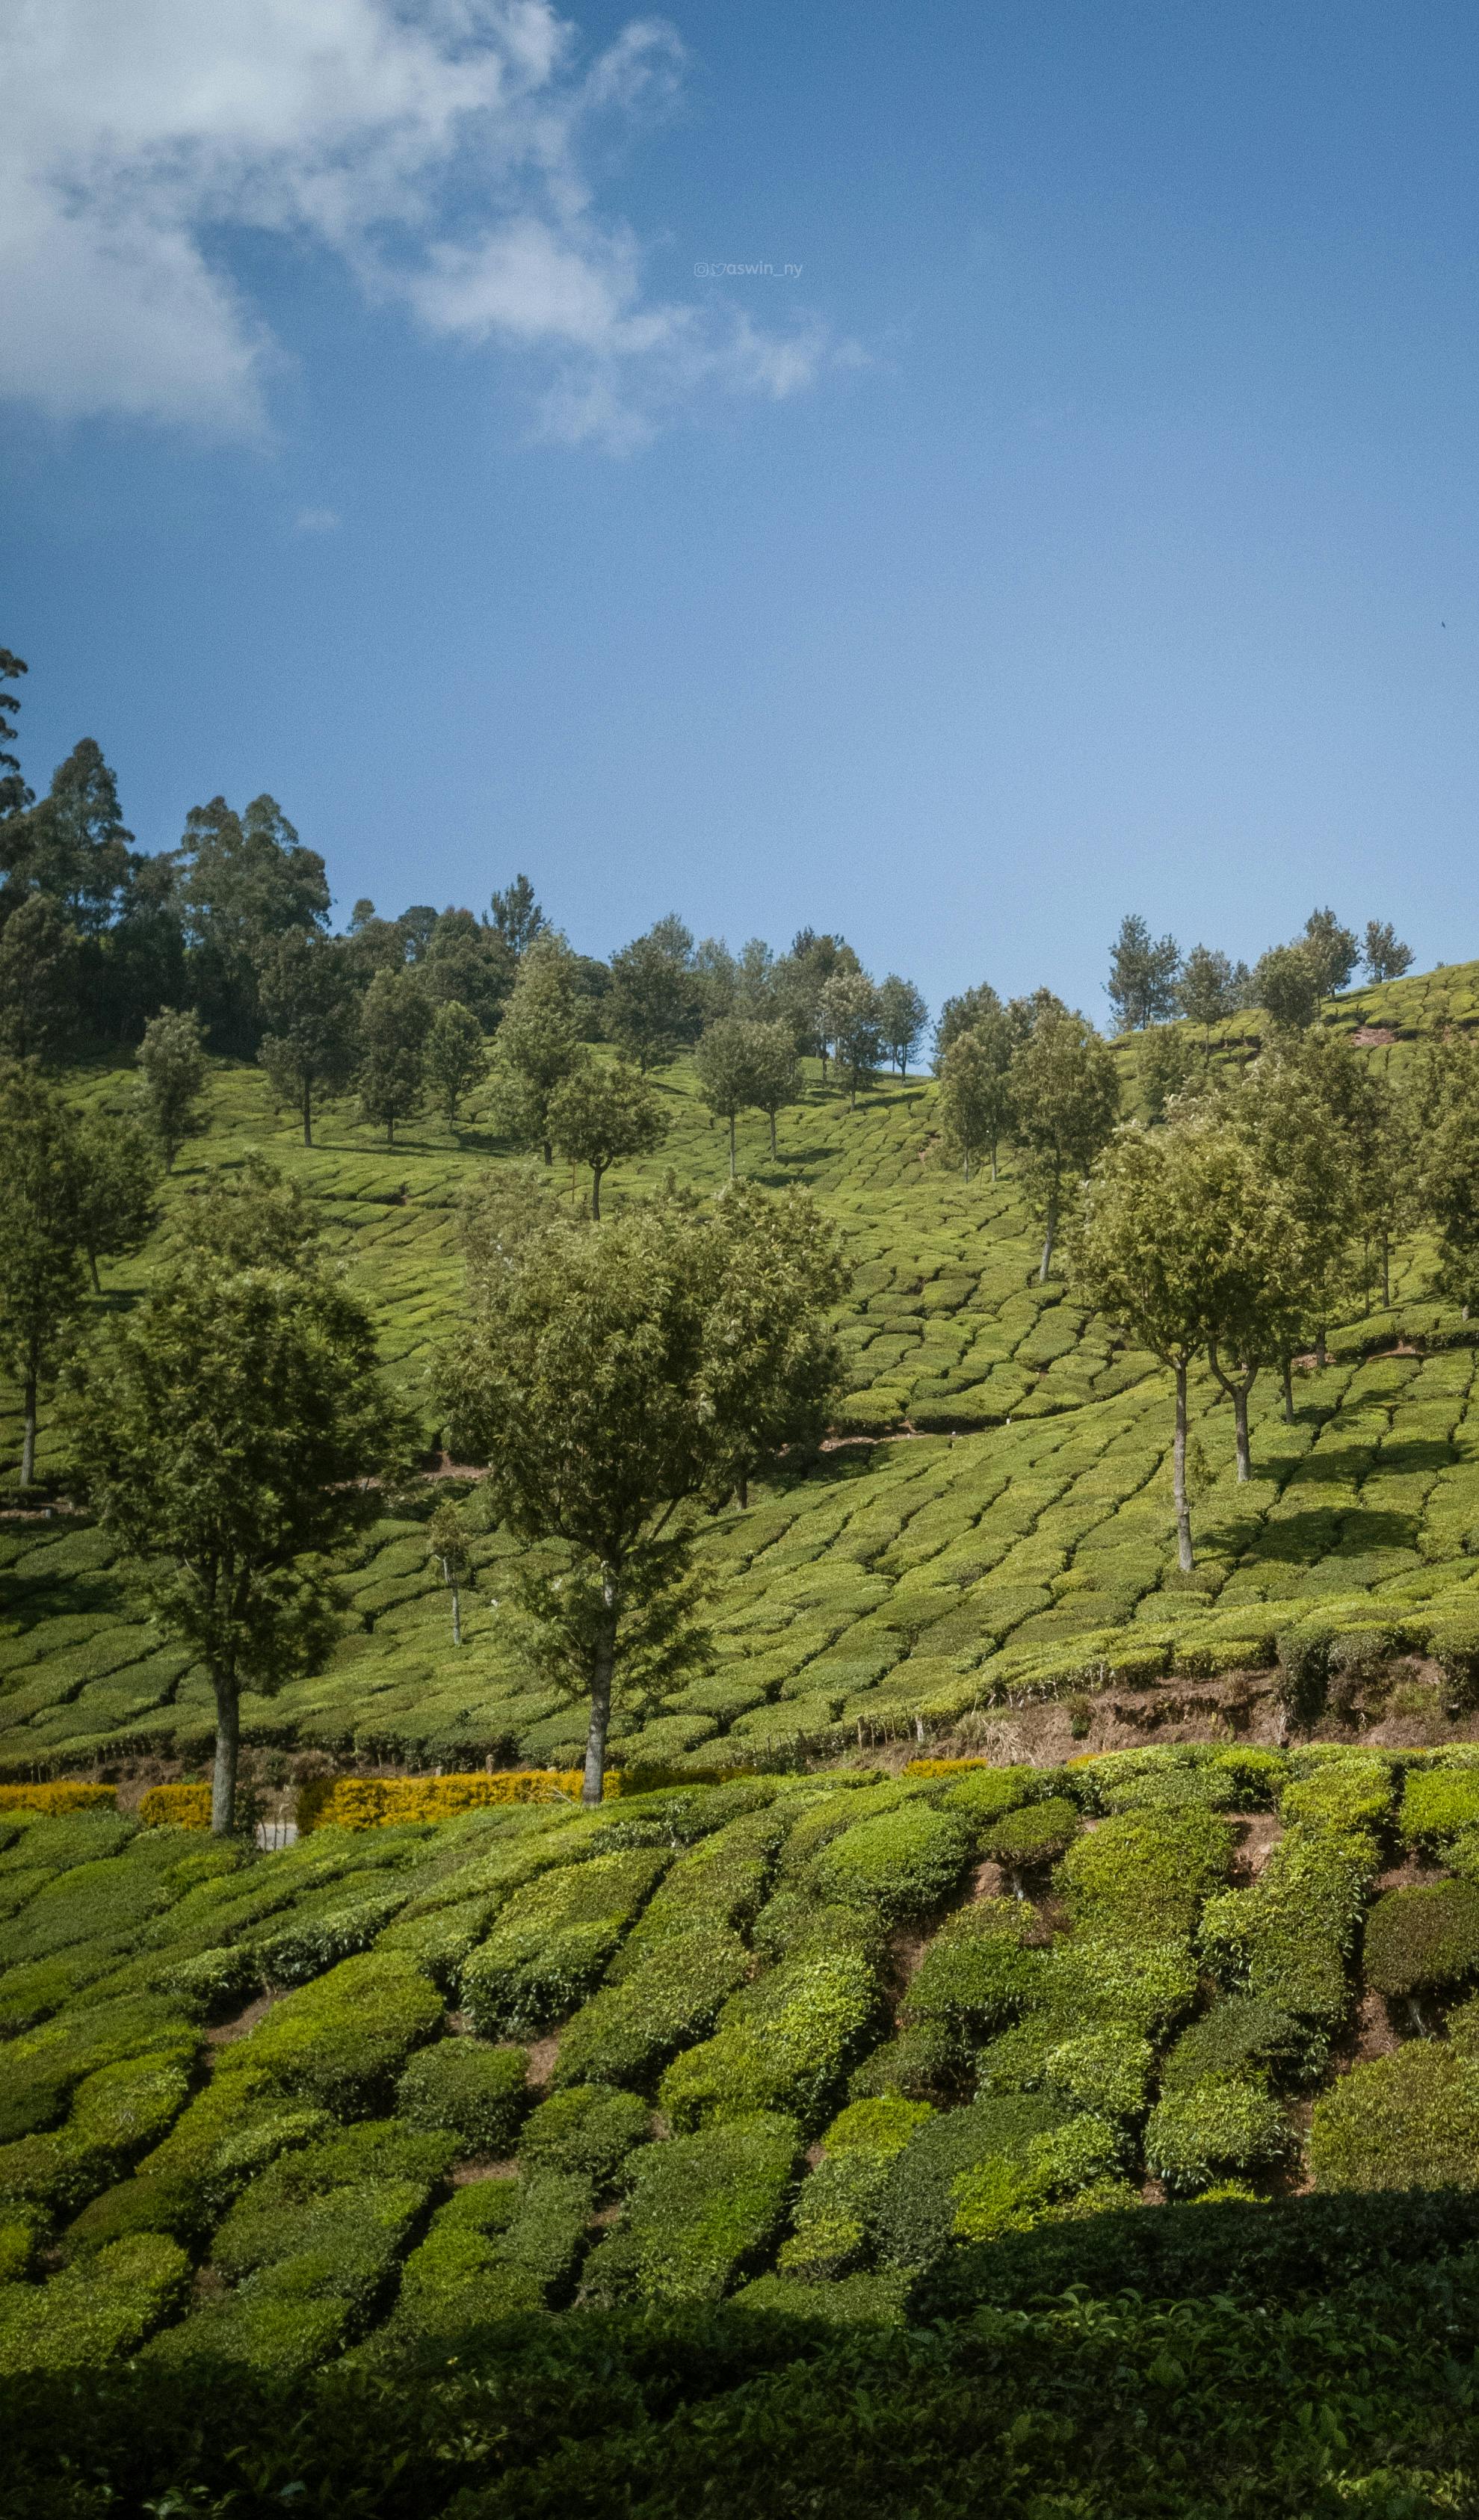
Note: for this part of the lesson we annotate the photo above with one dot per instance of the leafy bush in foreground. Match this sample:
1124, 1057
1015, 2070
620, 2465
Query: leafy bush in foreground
1426, 1936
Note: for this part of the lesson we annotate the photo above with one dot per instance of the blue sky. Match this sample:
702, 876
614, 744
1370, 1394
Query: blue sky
1089, 526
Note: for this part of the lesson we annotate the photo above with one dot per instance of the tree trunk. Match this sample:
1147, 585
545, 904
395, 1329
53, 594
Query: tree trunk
92, 1262
965, 1168
1320, 1358
992, 1159
852, 1099
602, 1665
307, 1113
549, 1152
1386, 1275
742, 1491
1183, 1558
1048, 1240
733, 1165
596, 1173
390, 1130
29, 1440
1241, 1433
456, 1614
1288, 1390
774, 1148
228, 1739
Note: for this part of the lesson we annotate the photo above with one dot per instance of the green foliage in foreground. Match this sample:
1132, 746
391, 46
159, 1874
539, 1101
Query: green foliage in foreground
1299, 2371
785, 2055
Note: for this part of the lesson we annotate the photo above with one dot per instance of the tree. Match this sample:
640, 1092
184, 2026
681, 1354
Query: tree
449, 1553
973, 1104
1297, 1107
755, 982
517, 915
117, 1186
1143, 976
652, 1005
1287, 986
394, 1021
1206, 991
1165, 1066
848, 1017
775, 1071
538, 1042
39, 973
308, 1003
966, 1012
457, 1056
1065, 1089
470, 965
725, 1068
226, 1434
15, 795
41, 1290
599, 1113
618, 1382
72, 845
1446, 1114
171, 1064
716, 980
252, 1217
244, 879
902, 1018
1385, 956
1161, 1252
798, 979
1332, 950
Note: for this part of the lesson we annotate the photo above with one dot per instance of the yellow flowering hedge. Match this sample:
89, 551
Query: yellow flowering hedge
55, 1799
177, 1807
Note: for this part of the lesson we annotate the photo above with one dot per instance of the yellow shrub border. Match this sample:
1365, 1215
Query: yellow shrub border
380, 1801
177, 1807
941, 1767
58, 1798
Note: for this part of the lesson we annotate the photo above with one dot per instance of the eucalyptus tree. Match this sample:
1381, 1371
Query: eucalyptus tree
1383, 953
729, 1078
41, 1238
848, 1016
305, 985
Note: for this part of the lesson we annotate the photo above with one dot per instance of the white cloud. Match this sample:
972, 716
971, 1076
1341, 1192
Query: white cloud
438, 149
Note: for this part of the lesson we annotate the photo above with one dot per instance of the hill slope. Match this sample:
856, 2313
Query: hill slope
1014, 1537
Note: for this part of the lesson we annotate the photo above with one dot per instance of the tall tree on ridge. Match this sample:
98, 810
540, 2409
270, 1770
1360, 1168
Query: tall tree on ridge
902, 1018
1143, 976
1384, 955
517, 915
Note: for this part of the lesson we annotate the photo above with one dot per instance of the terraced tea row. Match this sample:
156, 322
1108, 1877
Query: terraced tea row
717, 1977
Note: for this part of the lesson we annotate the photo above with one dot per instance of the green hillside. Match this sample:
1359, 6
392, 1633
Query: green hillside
1013, 1536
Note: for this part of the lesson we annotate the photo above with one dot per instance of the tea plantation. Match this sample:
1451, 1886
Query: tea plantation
1013, 1540
979, 2138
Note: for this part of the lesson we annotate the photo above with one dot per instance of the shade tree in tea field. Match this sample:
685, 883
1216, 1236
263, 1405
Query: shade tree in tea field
615, 1382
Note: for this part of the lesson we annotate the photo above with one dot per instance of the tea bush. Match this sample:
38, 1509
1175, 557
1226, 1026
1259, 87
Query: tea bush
479, 2094
1408, 2120
978, 1973
700, 2209
900, 1864
553, 1940
1212, 2129
587, 2133
1427, 1936
784, 2045
627, 2033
